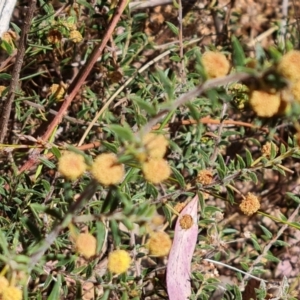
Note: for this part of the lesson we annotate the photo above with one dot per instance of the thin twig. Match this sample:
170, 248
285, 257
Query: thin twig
54, 112
7, 106
182, 67
216, 149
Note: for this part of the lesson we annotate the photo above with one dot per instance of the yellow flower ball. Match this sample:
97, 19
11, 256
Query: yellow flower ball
75, 36
86, 245
118, 261
215, 64
250, 204
155, 144
11, 293
107, 170
289, 65
265, 104
156, 170
71, 165
205, 177
57, 91
186, 222
159, 244
3, 283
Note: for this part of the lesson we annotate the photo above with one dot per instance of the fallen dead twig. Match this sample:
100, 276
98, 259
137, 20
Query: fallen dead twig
7, 106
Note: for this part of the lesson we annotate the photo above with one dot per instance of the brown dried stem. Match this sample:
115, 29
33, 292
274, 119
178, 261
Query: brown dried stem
7, 106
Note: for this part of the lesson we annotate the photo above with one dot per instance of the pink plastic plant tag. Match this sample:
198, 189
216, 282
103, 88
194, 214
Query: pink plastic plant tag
180, 257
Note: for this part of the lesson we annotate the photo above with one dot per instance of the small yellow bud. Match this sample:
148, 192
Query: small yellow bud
250, 204
118, 261
86, 245
266, 149
75, 36
186, 221
205, 177
71, 165
57, 91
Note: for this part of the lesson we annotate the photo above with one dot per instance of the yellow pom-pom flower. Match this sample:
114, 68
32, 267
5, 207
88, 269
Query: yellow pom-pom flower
3, 284
289, 65
186, 222
75, 36
265, 104
11, 293
156, 170
155, 144
118, 261
57, 91
86, 245
71, 165
215, 64
205, 177
107, 170
159, 244
250, 204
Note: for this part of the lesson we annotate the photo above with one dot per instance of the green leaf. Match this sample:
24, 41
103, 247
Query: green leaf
147, 107
230, 195
55, 151
222, 163
178, 177
272, 258
253, 177
47, 163
241, 161
293, 197
115, 232
255, 244
268, 234
55, 293
173, 28
7, 47
238, 56
282, 148
5, 76
100, 235
122, 132
249, 159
